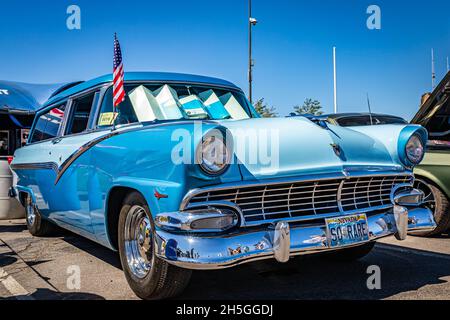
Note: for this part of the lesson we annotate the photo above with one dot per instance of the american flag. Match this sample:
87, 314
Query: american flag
118, 89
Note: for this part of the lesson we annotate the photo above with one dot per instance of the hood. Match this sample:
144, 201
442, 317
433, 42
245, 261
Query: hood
282, 147
24, 98
434, 114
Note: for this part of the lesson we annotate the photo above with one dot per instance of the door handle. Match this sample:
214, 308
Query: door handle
56, 141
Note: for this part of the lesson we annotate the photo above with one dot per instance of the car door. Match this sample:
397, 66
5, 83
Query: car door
73, 186
59, 133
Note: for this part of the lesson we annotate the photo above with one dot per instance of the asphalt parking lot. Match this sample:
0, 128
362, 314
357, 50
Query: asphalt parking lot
39, 268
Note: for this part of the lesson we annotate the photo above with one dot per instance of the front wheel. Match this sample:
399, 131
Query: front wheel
148, 276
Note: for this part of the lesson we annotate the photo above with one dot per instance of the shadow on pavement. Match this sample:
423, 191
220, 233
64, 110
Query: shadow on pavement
93, 248
13, 228
46, 294
7, 259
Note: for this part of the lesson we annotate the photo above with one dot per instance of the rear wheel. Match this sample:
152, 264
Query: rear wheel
36, 225
148, 276
437, 202
352, 254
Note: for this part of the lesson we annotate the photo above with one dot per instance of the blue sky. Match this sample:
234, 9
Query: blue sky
292, 46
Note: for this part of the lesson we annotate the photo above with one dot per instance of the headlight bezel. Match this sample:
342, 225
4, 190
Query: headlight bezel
213, 137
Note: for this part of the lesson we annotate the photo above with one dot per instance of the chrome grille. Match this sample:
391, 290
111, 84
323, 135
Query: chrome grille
307, 199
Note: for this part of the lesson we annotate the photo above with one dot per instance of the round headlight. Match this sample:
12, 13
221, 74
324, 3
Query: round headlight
213, 155
414, 150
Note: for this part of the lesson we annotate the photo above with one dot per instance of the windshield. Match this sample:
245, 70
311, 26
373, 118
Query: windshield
150, 102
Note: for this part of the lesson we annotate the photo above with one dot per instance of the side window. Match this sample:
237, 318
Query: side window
124, 114
48, 124
80, 113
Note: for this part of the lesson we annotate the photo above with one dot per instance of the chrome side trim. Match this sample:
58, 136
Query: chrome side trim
36, 166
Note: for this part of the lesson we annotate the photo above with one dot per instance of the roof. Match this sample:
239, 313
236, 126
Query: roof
432, 101
19, 97
142, 76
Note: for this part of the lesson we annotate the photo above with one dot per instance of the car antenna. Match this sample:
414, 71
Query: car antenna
370, 111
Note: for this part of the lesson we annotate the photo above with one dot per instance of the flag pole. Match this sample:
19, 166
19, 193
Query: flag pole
335, 80
114, 105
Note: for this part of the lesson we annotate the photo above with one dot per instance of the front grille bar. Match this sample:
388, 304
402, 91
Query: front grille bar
304, 200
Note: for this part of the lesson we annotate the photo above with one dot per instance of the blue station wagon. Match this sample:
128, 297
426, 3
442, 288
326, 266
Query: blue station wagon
186, 175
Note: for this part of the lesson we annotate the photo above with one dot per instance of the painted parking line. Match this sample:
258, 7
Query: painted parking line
13, 287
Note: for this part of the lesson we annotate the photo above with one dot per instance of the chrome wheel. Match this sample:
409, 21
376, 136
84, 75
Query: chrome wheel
138, 239
429, 200
31, 214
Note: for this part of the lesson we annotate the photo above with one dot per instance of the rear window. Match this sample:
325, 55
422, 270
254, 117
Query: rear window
48, 124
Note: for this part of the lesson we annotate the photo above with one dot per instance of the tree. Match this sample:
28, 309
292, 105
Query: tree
310, 106
264, 110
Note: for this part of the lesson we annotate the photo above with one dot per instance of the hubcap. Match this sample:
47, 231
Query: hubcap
31, 214
138, 241
428, 200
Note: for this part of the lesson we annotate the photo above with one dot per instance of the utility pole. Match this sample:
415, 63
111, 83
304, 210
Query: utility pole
335, 80
251, 23
433, 72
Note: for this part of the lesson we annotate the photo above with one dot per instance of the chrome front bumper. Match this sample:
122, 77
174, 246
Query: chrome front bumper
280, 241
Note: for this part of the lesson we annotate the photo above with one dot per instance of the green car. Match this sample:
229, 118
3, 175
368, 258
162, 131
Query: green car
433, 174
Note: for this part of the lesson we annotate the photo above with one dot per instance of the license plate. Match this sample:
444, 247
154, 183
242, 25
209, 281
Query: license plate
348, 230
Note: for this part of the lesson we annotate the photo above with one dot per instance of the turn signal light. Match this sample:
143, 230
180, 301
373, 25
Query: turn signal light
10, 159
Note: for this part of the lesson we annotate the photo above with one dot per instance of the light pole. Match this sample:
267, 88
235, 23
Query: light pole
251, 22
334, 81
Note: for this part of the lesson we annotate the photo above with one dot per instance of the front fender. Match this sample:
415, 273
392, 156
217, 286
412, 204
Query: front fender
147, 187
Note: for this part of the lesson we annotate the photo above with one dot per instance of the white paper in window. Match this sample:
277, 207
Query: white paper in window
167, 99
213, 105
236, 111
193, 107
144, 104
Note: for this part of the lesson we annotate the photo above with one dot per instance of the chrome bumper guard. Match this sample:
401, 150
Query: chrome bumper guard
279, 241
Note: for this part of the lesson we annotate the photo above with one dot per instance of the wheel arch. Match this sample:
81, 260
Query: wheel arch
114, 201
